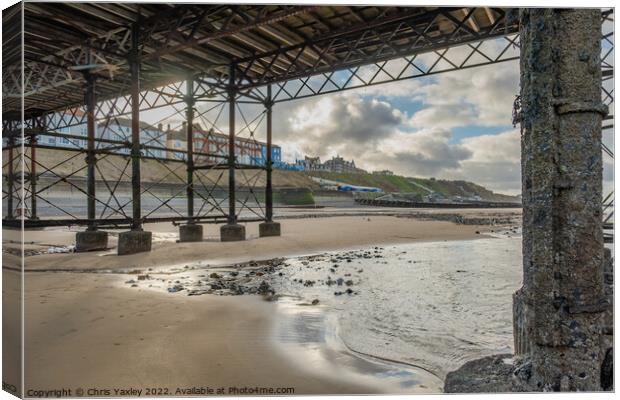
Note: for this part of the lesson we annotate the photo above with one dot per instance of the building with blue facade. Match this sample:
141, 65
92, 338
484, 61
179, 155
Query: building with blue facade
166, 143
276, 155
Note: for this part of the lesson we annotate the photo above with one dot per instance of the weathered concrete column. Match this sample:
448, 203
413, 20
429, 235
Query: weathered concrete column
607, 368
269, 227
91, 239
562, 297
191, 232
232, 231
136, 240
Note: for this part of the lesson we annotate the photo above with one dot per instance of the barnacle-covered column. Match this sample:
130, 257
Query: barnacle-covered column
562, 300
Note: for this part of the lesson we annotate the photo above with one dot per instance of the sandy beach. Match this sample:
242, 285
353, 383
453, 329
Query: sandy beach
94, 334
300, 236
87, 329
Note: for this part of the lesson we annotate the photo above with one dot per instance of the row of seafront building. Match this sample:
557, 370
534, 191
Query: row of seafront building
210, 147
336, 164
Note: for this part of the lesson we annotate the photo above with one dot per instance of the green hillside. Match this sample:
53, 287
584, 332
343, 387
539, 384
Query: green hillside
402, 184
67, 163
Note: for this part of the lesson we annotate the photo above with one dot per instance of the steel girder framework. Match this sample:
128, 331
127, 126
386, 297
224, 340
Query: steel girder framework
219, 69
607, 92
475, 54
264, 44
177, 184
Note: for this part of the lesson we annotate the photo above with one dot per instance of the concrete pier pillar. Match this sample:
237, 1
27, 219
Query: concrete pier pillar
132, 242
232, 232
562, 301
190, 233
269, 228
91, 241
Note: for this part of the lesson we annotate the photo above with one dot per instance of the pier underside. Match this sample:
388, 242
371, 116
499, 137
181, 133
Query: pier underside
105, 79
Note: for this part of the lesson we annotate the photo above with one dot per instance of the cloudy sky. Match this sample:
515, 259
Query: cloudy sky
455, 125
452, 125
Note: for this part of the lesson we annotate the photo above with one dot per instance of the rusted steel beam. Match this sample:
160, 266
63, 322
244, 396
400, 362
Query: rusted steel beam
90, 156
269, 161
10, 178
134, 61
232, 213
172, 56
374, 42
33, 173
223, 32
189, 100
118, 223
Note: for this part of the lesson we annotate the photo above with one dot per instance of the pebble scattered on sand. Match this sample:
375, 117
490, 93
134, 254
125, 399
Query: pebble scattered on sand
258, 277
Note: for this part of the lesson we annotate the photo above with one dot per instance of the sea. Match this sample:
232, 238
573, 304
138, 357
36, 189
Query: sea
432, 305
401, 315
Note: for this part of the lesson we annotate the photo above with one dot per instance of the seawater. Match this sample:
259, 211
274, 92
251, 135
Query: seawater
431, 305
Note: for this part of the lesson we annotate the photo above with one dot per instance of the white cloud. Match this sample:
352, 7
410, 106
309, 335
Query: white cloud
495, 161
505, 146
346, 123
480, 96
444, 116
421, 153
377, 135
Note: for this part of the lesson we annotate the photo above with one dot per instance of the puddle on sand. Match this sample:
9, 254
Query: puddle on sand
314, 332
435, 305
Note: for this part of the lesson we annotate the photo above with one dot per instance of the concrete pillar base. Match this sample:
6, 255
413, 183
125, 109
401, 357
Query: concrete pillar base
519, 324
132, 242
269, 228
232, 232
91, 240
190, 233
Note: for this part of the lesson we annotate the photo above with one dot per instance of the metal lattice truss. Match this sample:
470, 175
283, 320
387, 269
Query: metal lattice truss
607, 94
164, 189
375, 41
208, 74
265, 44
607, 56
466, 56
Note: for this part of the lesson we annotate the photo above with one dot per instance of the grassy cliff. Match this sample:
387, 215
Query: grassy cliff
72, 164
402, 184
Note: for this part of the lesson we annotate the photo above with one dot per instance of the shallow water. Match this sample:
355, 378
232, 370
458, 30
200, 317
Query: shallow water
313, 334
433, 305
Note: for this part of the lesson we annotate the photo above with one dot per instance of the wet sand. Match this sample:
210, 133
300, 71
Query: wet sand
299, 237
89, 330
84, 330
